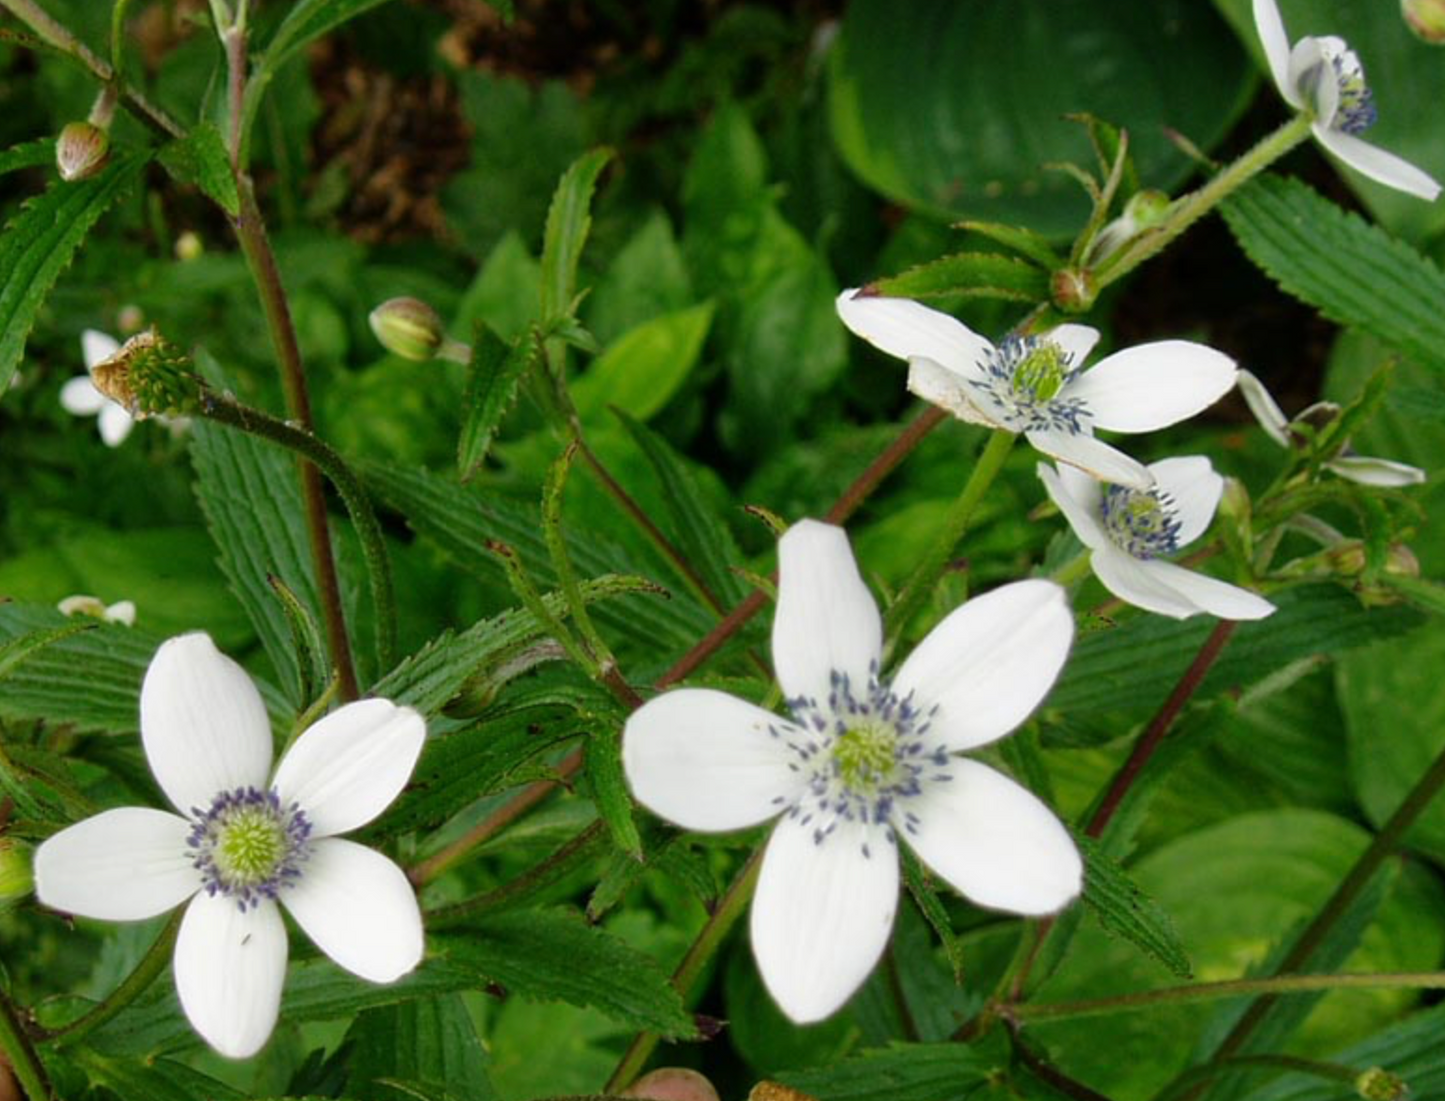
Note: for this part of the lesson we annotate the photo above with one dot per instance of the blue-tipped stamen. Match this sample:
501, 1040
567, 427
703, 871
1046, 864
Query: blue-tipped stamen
1143, 522
1024, 377
247, 846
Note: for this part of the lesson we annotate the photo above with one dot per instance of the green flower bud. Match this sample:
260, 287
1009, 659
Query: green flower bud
408, 327
16, 878
1074, 289
81, 151
1426, 18
150, 377
1377, 1084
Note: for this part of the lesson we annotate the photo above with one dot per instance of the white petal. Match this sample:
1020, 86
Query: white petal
1195, 487
1082, 514
202, 722
989, 663
944, 389
1369, 471
826, 621
1209, 594
1311, 74
1153, 385
359, 909
115, 424
97, 347
229, 969
79, 396
1104, 462
121, 865
1077, 341
822, 913
122, 611
709, 761
1379, 165
995, 842
1262, 404
908, 330
1270, 25
347, 768
1131, 581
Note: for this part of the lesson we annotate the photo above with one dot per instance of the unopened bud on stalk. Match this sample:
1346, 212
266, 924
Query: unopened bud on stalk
1426, 18
672, 1084
1377, 1084
81, 151
408, 327
16, 877
150, 377
1348, 559
1144, 210
1074, 289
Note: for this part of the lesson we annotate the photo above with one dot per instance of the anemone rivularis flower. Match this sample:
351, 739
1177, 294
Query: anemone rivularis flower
1323, 77
245, 839
1038, 385
80, 396
1364, 469
864, 762
1130, 531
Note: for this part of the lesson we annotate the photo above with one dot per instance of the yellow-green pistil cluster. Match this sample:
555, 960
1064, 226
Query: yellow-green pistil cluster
1023, 380
1143, 522
1041, 374
247, 846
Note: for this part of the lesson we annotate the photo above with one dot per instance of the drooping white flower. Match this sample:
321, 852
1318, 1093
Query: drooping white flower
79, 395
863, 762
246, 839
1323, 77
122, 611
1364, 469
1129, 531
1037, 385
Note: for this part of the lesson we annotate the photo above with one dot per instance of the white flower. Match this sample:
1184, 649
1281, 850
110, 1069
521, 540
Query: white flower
1364, 469
1037, 385
245, 839
122, 611
1323, 77
1128, 531
79, 395
863, 762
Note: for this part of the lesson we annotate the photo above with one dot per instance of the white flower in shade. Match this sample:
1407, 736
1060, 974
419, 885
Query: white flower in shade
122, 611
80, 396
1364, 469
246, 839
863, 762
1129, 531
1037, 384
1324, 78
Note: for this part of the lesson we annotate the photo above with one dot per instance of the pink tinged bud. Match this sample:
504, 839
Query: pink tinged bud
81, 151
672, 1084
408, 327
1426, 18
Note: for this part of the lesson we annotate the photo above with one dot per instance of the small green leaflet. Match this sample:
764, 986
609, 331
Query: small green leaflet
569, 220
200, 158
1126, 911
30, 154
38, 245
1352, 272
973, 274
493, 375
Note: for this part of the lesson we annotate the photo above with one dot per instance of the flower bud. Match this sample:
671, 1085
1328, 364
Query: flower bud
1074, 289
16, 878
189, 246
150, 377
672, 1084
1378, 1084
1426, 18
81, 150
408, 327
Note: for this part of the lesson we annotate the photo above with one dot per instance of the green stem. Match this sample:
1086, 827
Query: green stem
20, 1055
117, 40
556, 542
985, 470
1074, 570
1188, 209
157, 957
226, 410
729, 908
1232, 988
1331, 1072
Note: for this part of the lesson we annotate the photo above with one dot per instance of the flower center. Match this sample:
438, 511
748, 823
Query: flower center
1023, 379
864, 752
248, 846
1355, 111
1143, 522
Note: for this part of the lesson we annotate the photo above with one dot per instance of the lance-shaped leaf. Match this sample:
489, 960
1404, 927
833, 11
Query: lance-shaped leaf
493, 376
973, 275
200, 158
569, 220
1125, 910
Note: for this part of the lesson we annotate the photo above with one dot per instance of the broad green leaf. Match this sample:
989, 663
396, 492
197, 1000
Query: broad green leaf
555, 955
40, 241
1352, 272
973, 275
504, 294
428, 1041
160, 1080
1125, 910
41, 786
642, 370
647, 278
31, 154
493, 377
902, 1072
1418, 403
16, 650
1426, 595
569, 219
957, 109
200, 158
1410, 1048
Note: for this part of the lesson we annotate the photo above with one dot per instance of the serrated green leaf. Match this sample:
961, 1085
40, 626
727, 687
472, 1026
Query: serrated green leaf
426, 1041
41, 787
160, 1080
38, 245
1349, 270
306, 638
931, 907
1125, 910
901, 1072
30, 154
569, 219
973, 275
609, 789
555, 955
1019, 238
493, 376
644, 367
701, 534
200, 158
16, 650
1418, 403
